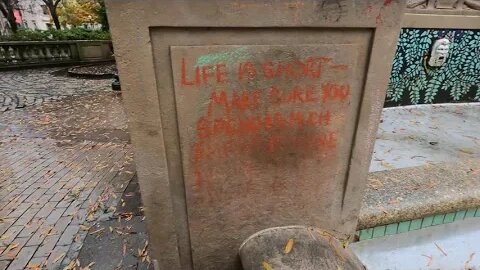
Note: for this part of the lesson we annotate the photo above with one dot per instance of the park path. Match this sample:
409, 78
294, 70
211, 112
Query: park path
65, 160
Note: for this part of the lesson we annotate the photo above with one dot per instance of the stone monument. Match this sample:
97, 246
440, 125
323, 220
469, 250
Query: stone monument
247, 115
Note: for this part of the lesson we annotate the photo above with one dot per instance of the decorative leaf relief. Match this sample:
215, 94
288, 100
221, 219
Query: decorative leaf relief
457, 77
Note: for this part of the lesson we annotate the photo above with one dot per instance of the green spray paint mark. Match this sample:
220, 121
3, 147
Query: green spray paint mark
228, 57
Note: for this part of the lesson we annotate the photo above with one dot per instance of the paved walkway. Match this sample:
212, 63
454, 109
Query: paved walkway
27, 87
64, 166
427, 134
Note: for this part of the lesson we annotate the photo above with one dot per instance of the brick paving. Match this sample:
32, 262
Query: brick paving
63, 167
28, 87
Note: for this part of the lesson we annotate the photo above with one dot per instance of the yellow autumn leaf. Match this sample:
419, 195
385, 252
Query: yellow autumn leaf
11, 247
288, 246
466, 151
387, 165
375, 183
59, 257
266, 266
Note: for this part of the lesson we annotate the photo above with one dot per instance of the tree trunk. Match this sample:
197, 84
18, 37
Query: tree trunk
52, 7
55, 19
12, 21
13, 25
7, 10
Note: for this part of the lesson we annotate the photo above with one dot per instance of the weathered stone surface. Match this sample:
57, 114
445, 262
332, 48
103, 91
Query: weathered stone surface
271, 124
473, 4
297, 247
220, 181
411, 193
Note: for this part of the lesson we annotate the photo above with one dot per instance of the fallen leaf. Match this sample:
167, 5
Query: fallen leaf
375, 183
11, 247
466, 151
84, 228
430, 259
59, 257
266, 266
439, 248
70, 266
288, 246
34, 266
97, 231
387, 165
470, 258
87, 267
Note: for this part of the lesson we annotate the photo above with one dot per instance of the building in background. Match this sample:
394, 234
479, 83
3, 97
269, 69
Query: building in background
31, 14
3, 26
35, 14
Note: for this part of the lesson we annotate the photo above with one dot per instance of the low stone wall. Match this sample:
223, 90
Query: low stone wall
16, 54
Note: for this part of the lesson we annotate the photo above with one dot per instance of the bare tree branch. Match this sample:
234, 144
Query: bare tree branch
7, 8
3, 10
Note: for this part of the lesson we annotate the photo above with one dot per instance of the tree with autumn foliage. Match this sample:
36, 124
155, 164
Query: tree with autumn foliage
79, 12
7, 8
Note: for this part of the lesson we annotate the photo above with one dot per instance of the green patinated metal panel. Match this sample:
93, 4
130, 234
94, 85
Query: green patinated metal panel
379, 231
438, 219
366, 234
391, 229
427, 221
470, 213
460, 215
416, 224
404, 226
450, 217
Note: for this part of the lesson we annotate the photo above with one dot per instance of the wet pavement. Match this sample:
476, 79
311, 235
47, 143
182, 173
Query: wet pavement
65, 163
121, 242
21, 88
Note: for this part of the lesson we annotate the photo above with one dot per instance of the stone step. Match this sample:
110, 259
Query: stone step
398, 198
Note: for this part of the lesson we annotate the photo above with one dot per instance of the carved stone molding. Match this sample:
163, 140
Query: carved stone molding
443, 4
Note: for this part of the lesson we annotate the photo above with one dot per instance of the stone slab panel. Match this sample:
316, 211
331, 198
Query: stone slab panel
265, 135
144, 33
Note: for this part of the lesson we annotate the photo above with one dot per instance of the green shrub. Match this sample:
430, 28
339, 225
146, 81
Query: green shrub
53, 35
